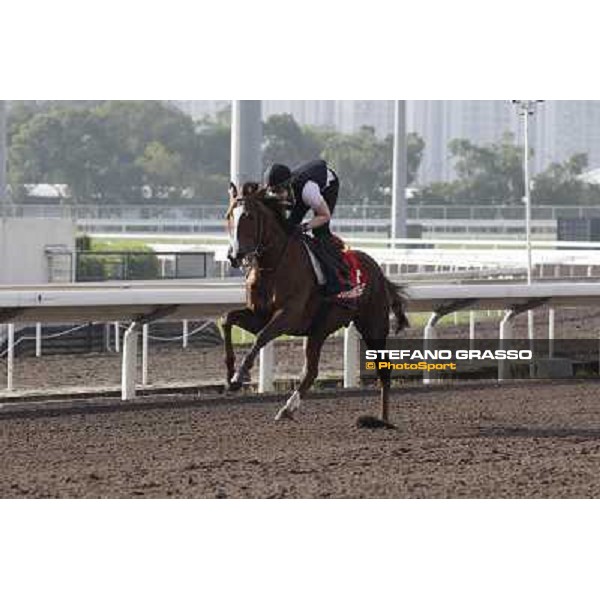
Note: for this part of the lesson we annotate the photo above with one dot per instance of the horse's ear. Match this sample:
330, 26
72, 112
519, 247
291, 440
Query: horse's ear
261, 192
233, 194
250, 188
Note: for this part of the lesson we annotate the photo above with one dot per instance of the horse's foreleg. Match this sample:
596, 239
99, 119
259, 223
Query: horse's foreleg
229, 354
248, 321
281, 322
312, 354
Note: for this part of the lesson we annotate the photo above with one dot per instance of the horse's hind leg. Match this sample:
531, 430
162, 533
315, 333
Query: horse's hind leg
384, 379
377, 340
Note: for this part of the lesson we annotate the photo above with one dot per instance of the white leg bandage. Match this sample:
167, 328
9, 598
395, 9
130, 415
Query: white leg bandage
293, 402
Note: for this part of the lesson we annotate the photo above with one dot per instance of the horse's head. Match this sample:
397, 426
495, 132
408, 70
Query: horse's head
248, 223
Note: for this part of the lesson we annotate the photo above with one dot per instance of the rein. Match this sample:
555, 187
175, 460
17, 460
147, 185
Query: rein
260, 248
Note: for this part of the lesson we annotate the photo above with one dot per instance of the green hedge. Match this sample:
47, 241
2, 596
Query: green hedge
120, 265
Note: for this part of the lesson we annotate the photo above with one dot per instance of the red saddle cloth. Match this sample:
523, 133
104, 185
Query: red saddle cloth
358, 278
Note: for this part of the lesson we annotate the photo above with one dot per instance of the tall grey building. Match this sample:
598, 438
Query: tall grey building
3, 154
201, 108
440, 121
562, 128
351, 115
347, 116
558, 130
319, 113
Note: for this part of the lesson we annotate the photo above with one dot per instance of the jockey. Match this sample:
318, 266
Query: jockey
312, 185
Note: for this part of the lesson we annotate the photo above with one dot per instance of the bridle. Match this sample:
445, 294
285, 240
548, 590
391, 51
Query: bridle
250, 259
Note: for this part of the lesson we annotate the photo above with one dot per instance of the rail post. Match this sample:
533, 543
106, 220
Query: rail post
429, 334
551, 333
351, 358
506, 333
117, 337
38, 340
129, 362
266, 368
145, 354
185, 333
10, 357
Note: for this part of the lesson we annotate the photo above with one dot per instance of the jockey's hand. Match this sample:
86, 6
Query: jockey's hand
300, 229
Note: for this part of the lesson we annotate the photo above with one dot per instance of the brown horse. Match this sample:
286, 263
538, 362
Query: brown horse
283, 296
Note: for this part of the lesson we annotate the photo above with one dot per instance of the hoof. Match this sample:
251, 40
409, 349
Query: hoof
285, 413
290, 407
234, 386
369, 422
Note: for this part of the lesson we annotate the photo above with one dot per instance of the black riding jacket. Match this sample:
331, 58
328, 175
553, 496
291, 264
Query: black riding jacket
315, 170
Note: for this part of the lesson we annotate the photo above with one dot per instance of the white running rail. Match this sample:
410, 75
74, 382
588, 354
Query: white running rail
143, 303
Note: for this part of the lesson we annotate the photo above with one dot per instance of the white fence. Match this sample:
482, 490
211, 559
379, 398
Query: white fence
345, 209
141, 304
421, 255
443, 219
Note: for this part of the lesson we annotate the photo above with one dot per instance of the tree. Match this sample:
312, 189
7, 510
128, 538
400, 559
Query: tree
492, 172
415, 147
211, 175
362, 160
364, 163
284, 141
162, 168
560, 184
133, 127
104, 152
119, 151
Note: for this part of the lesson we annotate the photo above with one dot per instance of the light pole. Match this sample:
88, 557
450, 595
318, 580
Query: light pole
3, 158
246, 140
526, 109
399, 209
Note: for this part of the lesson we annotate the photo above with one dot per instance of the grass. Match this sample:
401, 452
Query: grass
123, 242
459, 318
417, 320
121, 245
240, 337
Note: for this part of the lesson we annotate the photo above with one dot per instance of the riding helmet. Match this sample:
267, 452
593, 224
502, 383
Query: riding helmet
277, 174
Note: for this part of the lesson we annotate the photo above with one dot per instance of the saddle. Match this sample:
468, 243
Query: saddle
337, 268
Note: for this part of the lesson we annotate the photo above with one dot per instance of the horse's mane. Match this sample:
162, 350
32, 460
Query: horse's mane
254, 192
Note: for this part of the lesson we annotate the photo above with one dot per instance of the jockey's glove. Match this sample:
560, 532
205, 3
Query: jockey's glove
301, 229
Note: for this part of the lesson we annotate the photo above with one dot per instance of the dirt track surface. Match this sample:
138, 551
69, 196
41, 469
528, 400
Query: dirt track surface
517, 441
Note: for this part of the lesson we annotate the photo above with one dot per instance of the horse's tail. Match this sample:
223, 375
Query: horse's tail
397, 303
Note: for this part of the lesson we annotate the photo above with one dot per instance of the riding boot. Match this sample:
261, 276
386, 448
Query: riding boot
335, 269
